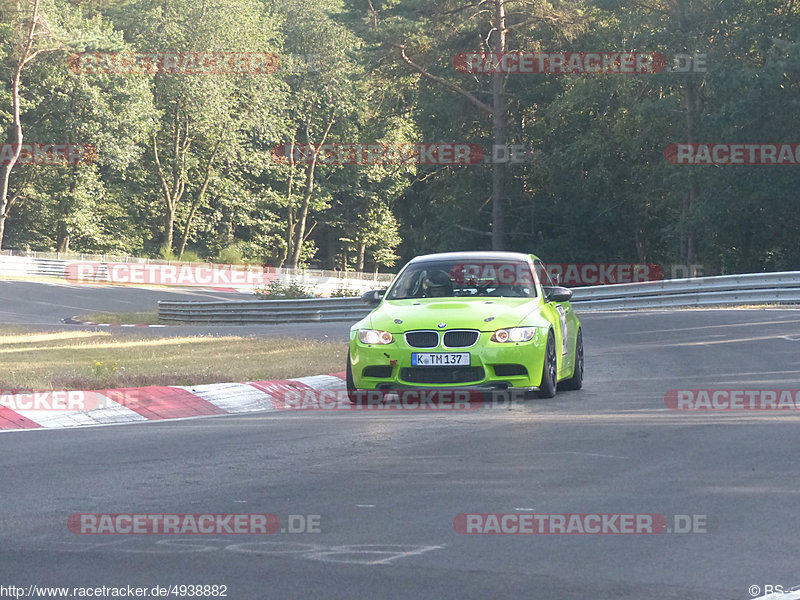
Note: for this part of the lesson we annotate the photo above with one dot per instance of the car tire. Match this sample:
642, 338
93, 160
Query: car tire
352, 393
547, 388
576, 381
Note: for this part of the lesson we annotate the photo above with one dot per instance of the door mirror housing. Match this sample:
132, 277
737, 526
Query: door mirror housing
557, 293
373, 297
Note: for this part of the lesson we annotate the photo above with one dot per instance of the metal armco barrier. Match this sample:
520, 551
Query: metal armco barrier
755, 288
264, 311
760, 288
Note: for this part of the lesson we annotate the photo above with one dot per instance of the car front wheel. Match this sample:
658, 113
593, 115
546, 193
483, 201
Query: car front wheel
352, 393
576, 381
547, 389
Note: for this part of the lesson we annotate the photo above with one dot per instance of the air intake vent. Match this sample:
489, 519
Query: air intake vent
442, 374
382, 371
460, 338
510, 370
422, 339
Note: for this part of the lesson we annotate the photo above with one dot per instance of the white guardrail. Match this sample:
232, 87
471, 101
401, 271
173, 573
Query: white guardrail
115, 269
730, 290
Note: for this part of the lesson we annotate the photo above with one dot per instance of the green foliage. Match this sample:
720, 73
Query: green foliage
343, 291
191, 256
277, 290
166, 253
229, 255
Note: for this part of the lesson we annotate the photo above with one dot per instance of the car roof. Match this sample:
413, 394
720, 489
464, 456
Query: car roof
474, 255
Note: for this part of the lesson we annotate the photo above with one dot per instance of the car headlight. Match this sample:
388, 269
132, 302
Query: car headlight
374, 336
514, 334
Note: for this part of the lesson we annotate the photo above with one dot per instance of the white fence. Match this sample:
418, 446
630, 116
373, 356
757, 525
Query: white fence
322, 282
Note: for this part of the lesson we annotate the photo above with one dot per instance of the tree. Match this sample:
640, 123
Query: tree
30, 36
426, 29
322, 106
203, 119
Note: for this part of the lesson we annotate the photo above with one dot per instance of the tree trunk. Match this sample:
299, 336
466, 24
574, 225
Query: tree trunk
689, 242
200, 196
62, 233
169, 225
498, 111
16, 128
499, 122
300, 226
691, 103
17, 139
289, 231
287, 248
330, 245
63, 244
362, 250
172, 192
300, 231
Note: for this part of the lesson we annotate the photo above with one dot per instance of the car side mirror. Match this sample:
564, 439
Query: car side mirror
372, 297
557, 293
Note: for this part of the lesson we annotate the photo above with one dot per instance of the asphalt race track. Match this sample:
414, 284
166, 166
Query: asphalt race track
34, 303
388, 485
41, 306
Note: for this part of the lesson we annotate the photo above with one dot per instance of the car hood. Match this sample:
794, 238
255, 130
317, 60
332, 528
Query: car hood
485, 314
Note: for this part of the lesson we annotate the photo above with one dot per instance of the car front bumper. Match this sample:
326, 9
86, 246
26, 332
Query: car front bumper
492, 364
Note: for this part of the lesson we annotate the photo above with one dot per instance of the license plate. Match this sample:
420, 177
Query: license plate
440, 359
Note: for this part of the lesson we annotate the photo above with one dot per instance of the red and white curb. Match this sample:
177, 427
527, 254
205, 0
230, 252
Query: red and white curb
76, 321
131, 405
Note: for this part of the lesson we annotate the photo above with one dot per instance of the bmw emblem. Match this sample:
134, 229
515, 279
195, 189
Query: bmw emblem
442, 325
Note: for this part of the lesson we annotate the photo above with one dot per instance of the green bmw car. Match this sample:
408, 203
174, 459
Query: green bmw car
481, 320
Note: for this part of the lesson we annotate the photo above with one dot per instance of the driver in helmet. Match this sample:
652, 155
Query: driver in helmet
437, 284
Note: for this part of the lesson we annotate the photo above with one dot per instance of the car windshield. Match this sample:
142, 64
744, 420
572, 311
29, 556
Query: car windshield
442, 279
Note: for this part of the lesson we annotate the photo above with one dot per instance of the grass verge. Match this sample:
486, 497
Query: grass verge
63, 360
